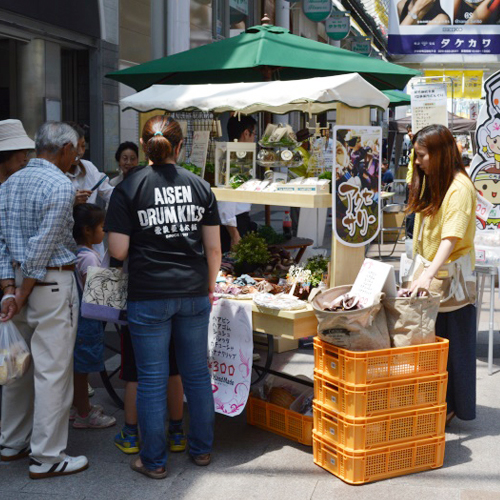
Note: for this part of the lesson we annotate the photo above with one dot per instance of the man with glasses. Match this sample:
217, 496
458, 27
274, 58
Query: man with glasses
235, 217
37, 255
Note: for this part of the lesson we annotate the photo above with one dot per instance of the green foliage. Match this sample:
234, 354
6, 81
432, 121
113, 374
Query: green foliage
192, 168
326, 175
210, 167
270, 235
237, 180
252, 249
318, 266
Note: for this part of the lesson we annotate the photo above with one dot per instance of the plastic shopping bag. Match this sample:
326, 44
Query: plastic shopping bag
15, 357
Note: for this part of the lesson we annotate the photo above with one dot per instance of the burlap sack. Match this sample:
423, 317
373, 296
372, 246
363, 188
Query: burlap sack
412, 320
357, 330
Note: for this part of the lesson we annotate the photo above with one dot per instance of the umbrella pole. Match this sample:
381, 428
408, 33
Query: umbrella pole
346, 261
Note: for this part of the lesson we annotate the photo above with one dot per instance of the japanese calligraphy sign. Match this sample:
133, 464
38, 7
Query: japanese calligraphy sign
338, 25
356, 184
428, 105
444, 27
485, 167
230, 355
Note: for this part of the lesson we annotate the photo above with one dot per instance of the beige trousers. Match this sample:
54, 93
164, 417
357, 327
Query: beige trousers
35, 408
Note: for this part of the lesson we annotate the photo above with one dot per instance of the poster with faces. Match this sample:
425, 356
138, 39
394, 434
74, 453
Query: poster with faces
485, 167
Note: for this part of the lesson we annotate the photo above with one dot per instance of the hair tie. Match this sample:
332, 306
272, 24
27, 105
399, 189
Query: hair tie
159, 132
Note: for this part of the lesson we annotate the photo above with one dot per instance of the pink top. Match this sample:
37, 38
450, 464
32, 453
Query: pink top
85, 257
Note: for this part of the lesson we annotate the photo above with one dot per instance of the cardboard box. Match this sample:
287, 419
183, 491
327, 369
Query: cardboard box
393, 220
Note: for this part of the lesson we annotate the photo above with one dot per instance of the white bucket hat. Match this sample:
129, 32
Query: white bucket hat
13, 136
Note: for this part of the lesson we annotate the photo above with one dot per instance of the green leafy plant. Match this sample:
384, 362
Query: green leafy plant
270, 235
210, 167
318, 266
252, 249
192, 168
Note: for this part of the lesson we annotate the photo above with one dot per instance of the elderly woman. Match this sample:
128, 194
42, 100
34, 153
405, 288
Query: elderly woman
14, 147
127, 156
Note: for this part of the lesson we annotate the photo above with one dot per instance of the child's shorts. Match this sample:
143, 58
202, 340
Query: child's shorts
129, 370
89, 346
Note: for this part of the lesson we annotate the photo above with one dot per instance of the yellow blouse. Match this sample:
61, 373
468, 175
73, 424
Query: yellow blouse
456, 218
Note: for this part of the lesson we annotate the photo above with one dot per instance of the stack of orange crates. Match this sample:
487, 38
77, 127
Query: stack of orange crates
379, 414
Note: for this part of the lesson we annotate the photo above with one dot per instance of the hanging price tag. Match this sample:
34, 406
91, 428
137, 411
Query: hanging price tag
483, 208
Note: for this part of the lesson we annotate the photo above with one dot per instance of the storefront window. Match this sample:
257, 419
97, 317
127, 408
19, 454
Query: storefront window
241, 13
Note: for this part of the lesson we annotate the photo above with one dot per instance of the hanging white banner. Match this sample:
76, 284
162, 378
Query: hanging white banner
230, 355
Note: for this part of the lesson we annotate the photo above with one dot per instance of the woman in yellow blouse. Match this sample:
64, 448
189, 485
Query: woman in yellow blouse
444, 200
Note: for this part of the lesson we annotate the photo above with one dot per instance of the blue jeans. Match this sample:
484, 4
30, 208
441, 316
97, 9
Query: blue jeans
151, 324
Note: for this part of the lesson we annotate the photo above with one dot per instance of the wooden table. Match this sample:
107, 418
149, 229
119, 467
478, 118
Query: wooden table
293, 244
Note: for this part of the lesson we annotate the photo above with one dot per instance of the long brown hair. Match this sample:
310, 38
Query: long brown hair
428, 191
160, 136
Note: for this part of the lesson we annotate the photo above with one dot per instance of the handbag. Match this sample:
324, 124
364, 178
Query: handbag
105, 295
412, 320
455, 281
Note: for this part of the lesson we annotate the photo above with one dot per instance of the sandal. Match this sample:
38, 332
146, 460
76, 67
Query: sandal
449, 418
153, 474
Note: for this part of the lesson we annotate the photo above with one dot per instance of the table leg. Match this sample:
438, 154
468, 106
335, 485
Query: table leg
299, 255
492, 324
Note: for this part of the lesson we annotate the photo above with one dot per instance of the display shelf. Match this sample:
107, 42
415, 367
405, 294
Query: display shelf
303, 200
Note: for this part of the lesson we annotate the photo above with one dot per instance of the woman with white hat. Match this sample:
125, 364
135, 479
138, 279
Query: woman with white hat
14, 147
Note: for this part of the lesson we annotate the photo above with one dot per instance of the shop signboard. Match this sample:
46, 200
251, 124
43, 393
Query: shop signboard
428, 105
361, 45
230, 355
317, 10
356, 184
446, 27
338, 25
485, 167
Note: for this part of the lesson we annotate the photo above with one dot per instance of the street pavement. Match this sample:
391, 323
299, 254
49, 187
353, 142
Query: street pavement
250, 463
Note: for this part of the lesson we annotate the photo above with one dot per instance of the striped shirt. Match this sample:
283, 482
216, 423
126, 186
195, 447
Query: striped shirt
36, 220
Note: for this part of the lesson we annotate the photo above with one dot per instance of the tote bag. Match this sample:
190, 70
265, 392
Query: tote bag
105, 295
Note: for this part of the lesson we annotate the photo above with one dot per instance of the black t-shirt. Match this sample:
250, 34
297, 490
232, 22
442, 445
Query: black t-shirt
163, 208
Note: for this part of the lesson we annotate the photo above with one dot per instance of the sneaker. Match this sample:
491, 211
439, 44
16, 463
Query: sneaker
91, 390
73, 411
96, 419
201, 460
128, 443
177, 441
70, 465
11, 454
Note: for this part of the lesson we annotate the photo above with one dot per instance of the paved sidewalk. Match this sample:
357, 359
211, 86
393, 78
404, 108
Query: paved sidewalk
255, 464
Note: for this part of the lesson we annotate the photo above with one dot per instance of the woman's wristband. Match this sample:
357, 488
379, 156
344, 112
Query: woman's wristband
8, 296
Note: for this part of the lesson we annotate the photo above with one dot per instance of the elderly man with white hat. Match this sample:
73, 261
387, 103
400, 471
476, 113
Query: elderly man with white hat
14, 148
37, 255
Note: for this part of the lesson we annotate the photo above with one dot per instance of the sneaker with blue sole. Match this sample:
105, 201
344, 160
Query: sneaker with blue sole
177, 442
128, 443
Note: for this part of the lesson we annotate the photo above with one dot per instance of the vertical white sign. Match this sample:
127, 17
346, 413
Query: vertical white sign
230, 355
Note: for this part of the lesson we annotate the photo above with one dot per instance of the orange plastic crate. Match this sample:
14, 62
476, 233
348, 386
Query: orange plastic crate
369, 367
287, 423
367, 433
361, 401
359, 467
